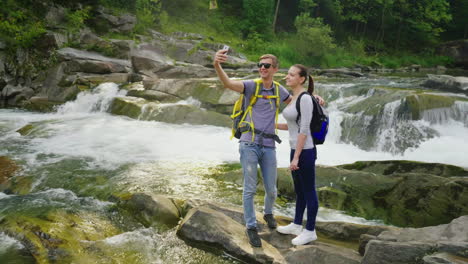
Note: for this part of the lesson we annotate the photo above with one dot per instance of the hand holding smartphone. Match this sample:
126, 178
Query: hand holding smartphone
226, 47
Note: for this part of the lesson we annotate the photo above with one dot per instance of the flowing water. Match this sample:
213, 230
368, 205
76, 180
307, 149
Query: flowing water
75, 157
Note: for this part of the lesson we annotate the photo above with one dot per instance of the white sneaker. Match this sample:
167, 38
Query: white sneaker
291, 229
305, 237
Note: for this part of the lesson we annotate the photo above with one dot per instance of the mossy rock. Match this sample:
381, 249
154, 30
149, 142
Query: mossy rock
8, 168
417, 103
25, 130
152, 210
388, 167
128, 106
59, 236
331, 198
180, 114
41, 104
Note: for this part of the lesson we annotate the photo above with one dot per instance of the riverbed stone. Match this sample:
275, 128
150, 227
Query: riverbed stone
152, 210
409, 245
447, 83
8, 168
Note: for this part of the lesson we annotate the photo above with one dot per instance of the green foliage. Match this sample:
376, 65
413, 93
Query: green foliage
19, 27
258, 17
76, 19
148, 13
314, 38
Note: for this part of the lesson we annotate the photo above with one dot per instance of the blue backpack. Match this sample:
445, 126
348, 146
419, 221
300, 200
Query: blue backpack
319, 122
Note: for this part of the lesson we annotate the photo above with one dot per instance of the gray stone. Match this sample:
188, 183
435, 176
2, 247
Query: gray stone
213, 229
322, 253
93, 66
455, 231
387, 252
149, 60
75, 54
341, 72
443, 258
447, 83
152, 209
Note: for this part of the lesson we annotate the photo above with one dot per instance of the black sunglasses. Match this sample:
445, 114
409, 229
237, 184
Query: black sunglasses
266, 65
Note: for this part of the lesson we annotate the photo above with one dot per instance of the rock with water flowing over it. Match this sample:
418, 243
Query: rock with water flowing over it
7, 169
410, 245
152, 209
447, 83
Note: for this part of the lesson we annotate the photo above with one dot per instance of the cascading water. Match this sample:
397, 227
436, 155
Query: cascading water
73, 159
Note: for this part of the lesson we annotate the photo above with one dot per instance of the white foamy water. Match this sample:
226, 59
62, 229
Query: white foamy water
8, 243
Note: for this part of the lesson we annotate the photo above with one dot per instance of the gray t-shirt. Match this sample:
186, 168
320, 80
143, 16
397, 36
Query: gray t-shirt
290, 114
263, 111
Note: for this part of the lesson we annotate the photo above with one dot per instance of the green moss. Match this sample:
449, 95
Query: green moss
122, 106
418, 103
332, 198
59, 235
8, 169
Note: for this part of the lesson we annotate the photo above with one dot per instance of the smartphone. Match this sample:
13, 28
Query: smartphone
226, 47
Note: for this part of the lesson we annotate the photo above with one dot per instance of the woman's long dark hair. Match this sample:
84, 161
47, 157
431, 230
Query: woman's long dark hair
303, 73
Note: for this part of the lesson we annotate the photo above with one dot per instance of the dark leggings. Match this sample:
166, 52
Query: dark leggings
304, 185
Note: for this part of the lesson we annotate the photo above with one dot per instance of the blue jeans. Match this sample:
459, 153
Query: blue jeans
251, 155
304, 185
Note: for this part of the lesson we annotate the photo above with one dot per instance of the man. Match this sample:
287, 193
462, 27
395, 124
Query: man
260, 151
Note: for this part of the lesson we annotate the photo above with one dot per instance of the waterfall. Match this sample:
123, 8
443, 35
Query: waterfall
97, 100
443, 115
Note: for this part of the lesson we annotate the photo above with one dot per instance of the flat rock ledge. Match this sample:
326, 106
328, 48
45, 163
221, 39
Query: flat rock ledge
220, 230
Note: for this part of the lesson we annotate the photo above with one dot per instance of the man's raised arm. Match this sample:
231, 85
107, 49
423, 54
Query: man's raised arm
221, 57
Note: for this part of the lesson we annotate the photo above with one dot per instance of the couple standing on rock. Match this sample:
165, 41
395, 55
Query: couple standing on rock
258, 148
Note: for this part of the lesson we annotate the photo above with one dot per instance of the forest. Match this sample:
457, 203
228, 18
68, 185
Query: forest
323, 33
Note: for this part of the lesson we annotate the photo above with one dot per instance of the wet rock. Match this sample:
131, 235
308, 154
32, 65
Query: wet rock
153, 95
341, 72
442, 258
404, 193
40, 104
149, 59
13, 95
386, 252
447, 83
322, 253
70, 54
152, 210
220, 228
408, 245
220, 232
7, 169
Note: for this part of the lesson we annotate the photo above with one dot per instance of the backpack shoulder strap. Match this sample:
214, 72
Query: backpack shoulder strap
298, 106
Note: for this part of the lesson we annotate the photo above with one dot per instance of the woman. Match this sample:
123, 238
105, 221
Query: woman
303, 155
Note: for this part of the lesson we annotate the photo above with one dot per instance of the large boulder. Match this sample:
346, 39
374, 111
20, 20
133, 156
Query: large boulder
220, 228
447, 83
150, 59
409, 245
152, 210
71, 54
13, 95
